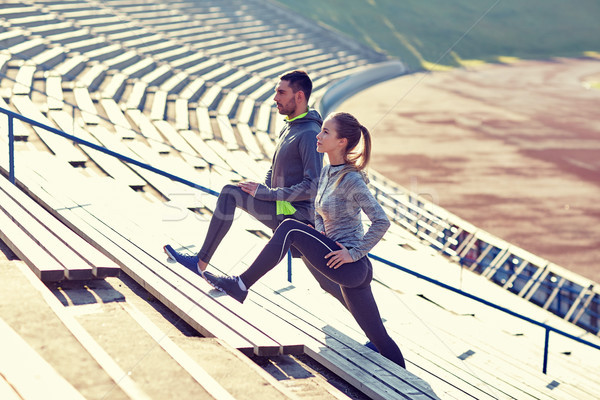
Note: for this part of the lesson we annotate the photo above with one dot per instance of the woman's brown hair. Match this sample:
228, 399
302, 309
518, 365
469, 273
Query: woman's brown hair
356, 157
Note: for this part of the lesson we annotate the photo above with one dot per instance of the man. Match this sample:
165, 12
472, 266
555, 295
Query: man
291, 182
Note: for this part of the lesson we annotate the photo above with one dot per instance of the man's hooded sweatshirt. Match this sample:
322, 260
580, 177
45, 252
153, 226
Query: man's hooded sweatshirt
296, 167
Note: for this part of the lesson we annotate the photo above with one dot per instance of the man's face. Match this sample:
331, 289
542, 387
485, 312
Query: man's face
285, 99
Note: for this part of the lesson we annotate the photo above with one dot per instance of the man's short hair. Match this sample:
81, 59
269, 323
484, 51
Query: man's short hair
298, 80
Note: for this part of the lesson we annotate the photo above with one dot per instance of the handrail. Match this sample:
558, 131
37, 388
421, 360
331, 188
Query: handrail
11, 115
94, 146
547, 327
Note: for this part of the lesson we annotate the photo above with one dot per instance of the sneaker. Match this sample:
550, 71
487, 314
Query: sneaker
227, 284
188, 261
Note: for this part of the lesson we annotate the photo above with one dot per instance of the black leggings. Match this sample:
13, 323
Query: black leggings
352, 280
232, 197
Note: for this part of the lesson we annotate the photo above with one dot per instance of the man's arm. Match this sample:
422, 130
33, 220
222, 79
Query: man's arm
312, 163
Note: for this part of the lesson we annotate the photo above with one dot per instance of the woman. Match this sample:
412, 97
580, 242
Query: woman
336, 247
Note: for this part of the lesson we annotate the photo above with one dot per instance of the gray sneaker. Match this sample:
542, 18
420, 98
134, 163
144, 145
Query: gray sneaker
227, 284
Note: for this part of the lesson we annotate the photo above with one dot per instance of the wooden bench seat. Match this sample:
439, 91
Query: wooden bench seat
137, 98
203, 149
123, 35
250, 141
29, 48
158, 111
246, 111
158, 75
175, 83
24, 80
226, 133
263, 92
266, 143
155, 50
231, 81
55, 98
12, 37
263, 119
210, 97
86, 105
188, 61
33, 21
71, 67
193, 89
105, 53
142, 40
50, 57
140, 68
186, 151
61, 147
184, 292
93, 77
100, 21
52, 26
110, 165
83, 46
228, 104
123, 60
200, 68
74, 258
109, 140
115, 115
72, 36
182, 114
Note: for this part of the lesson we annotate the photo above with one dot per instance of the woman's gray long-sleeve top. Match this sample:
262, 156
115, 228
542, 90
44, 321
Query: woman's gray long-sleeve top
338, 211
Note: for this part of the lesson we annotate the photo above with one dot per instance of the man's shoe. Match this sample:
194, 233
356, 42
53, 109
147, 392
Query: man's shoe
188, 261
227, 284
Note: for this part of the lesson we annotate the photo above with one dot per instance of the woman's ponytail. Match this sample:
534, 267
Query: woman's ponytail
348, 127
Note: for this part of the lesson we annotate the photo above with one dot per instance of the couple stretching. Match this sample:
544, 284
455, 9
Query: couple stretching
335, 249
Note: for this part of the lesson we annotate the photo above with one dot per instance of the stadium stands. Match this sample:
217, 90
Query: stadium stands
184, 87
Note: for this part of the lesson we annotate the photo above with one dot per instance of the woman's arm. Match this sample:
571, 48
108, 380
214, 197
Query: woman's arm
379, 221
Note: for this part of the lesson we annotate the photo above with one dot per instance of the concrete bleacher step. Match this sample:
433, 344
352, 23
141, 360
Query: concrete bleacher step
91, 331
96, 372
26, 372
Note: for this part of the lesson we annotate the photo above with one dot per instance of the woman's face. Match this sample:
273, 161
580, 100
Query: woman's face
327, 139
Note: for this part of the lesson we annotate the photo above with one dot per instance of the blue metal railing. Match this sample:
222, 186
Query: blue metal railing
547, 327
11, 115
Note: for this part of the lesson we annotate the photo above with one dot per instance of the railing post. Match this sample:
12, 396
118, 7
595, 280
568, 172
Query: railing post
547, 339
289, 260
11, 150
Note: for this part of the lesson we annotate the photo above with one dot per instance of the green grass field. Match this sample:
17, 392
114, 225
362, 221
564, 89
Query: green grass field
434, 34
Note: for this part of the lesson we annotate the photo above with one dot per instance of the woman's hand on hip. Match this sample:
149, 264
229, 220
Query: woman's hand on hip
338, 258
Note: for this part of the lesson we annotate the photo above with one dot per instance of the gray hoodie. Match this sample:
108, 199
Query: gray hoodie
296, 167
339, 206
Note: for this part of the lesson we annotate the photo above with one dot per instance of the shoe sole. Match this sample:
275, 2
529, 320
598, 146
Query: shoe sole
170, 256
